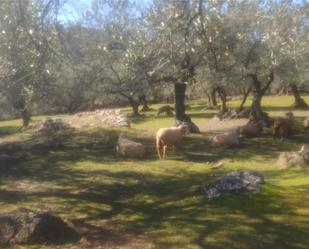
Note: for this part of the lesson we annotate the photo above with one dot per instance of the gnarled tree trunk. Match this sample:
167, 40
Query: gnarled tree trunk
258, 93
256, 107
244, 98
26, 117
299, 102
222, 94
143, 101
134, 104
213, 97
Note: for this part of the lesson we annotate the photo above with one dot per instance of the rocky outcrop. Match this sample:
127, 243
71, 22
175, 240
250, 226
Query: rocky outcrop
238, 182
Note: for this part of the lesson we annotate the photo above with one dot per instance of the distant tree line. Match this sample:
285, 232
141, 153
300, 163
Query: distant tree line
123, 52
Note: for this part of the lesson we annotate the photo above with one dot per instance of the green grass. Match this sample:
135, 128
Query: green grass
143, 203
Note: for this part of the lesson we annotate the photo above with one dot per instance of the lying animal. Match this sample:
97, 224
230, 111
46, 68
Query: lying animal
129, 148
251, 129
283, 126
227, 139
168, 138
167, 109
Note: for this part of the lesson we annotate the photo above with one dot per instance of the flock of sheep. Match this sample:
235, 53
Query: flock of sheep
171, 137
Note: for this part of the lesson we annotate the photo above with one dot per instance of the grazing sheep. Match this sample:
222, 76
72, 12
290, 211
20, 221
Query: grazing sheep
306, 124
168, 110
283, 126
129, 148
251, 129
227, 139
168, 138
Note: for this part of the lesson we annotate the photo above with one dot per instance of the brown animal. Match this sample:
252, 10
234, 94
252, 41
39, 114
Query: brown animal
167, 109
306, 124
169, 138
283, 126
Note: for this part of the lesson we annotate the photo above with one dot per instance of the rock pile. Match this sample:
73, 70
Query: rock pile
106, 118
237, 182
25, 227
294, 158
51, 125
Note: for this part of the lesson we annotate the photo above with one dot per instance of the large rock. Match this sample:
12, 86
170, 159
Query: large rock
238, 182
25, 227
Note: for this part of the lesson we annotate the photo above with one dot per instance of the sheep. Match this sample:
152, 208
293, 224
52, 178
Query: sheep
251, 129
169, 138
292, 159
129, 148
168, 110
227, 139
306, 124
283, 126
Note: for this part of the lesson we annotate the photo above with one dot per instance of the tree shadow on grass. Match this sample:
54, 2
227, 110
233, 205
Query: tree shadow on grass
8, 130
199, 149
163, 206
281, 109
166, 206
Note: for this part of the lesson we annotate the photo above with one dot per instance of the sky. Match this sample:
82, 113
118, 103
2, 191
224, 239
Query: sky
72, 8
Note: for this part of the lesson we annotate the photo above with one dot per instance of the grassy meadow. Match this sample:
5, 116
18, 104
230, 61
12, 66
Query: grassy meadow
149, 203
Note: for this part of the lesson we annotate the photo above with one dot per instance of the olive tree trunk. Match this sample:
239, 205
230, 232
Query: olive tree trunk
244, 98
222, 95
213, 97
144, 102
26, 117
180, 110
134, 104
299, 102
258, 93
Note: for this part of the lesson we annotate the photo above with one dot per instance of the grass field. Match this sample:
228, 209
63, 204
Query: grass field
118, 203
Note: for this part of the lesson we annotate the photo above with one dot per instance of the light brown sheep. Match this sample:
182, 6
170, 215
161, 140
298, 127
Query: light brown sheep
129, 148
227, 139
168, 138
306, 124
